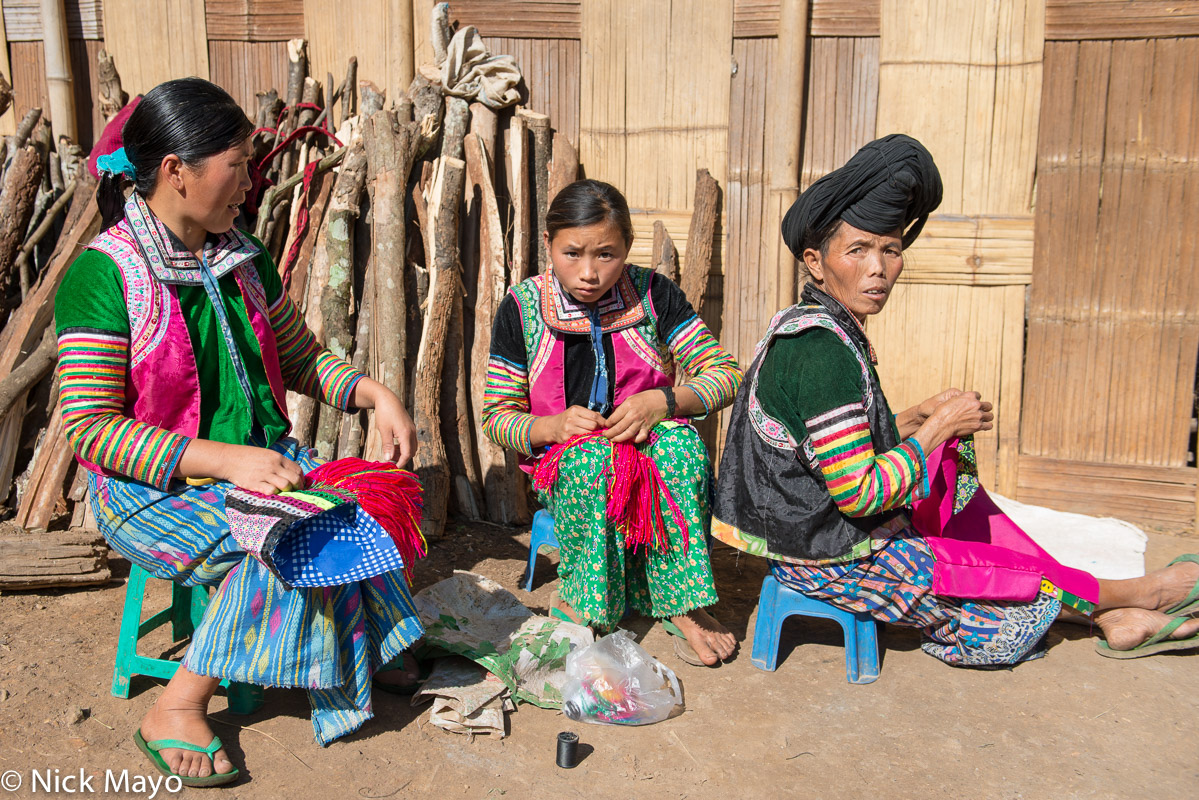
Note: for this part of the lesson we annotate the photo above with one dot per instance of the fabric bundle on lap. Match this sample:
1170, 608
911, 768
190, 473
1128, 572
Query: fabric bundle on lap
353, 520
634, 497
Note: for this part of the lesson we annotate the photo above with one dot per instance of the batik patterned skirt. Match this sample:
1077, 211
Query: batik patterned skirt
600, 576
894, 584
328, 640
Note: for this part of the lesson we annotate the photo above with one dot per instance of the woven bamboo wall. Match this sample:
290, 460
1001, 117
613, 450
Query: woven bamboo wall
1113, 323
946, 325
651, 90
177, 47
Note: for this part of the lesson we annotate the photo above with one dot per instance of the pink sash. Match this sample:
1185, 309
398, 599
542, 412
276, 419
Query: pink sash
980, 552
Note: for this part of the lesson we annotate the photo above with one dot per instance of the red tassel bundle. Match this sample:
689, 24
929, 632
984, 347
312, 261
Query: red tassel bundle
634, 497
392, 496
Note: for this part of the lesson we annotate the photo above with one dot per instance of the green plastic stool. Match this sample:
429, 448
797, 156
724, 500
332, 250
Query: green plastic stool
184, 614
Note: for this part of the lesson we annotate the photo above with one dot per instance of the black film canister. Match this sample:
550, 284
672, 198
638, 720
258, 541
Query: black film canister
568, 749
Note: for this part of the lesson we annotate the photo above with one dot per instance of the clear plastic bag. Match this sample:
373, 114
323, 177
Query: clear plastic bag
616, 682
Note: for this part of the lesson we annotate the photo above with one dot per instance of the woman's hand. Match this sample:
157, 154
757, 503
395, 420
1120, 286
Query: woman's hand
261, 470
636, 417
929, 406
560, 428
258, 469
395, 426
962, 415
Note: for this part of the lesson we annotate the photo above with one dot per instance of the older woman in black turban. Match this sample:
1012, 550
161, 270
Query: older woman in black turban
879, 513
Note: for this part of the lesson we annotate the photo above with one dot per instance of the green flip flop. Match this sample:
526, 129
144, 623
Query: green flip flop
1159, 642
682, 648
1190, 603
151, 749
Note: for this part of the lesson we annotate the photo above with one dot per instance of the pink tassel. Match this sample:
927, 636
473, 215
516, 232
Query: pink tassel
634, 496
392, 497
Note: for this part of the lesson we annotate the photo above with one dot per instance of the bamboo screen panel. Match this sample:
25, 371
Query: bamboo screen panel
334, 35
655, 96
1113, 326
957, 318
245, 68
842, 103
29, 83
551, 71
156, 41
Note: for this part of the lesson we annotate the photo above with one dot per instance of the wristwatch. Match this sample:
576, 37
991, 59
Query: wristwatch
669, 392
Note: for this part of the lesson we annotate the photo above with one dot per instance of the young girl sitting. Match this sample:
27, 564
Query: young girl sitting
583, 362
176, 345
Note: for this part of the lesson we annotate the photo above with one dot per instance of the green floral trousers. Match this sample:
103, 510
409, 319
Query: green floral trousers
600, 578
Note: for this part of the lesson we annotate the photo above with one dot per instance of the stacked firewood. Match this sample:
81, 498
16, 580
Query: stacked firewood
397, 225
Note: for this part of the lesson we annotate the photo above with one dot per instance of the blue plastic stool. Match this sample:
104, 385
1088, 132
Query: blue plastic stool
777, 602
184, 614
543, 535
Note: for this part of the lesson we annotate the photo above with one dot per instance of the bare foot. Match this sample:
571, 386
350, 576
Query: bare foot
404, 675
557, 602
1175, 583
173, 718
710, 640
1125, 628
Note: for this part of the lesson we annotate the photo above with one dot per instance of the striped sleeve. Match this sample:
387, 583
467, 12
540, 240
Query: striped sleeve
307, 367
506, 419
91, 368
710, 369
861, 482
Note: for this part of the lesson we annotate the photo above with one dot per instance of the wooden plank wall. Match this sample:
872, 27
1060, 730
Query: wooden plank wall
551, 71
1113, 328
180, 39
943, 325
24, 61
334, 35
247, 46
842, 103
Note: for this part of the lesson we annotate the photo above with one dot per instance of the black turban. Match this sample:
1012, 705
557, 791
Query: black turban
890, 184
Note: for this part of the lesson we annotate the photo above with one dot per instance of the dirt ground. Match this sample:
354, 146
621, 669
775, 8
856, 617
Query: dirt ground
1071, 725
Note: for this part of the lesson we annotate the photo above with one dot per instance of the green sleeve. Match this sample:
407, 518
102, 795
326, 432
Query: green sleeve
806, 375
92, 295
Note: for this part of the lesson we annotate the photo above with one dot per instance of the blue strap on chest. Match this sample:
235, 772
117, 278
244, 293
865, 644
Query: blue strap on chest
598, 400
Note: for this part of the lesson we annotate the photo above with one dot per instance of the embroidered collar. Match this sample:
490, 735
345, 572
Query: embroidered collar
619, 308
167, 257
813, 294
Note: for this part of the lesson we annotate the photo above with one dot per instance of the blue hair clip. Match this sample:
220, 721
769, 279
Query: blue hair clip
117, 163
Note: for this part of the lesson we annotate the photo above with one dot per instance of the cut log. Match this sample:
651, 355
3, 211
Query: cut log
32, 370
457, 119
47, 474
428, 103
21, 184
700, 236
339, 288
539, 124
504, 495
112, 97
444, 285
318, 201
25, 129
66, 559
5, 94
457, 431
665, 256
565, 167
516, 172
390, 152
353, 434
484, 123
371, 99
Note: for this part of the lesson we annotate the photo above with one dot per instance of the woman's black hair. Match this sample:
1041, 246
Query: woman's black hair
189, 117
589, 202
